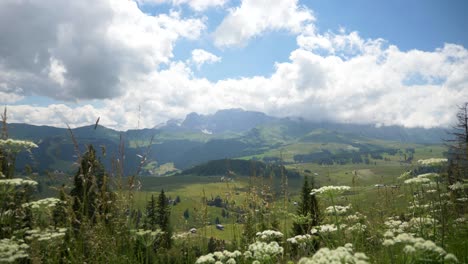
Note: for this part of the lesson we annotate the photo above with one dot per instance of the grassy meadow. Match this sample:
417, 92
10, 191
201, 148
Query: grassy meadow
386, 211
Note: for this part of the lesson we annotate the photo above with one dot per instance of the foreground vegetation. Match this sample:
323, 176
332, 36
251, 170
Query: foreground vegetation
386, 212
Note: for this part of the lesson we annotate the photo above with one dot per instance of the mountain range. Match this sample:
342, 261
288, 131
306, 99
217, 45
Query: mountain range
231, 133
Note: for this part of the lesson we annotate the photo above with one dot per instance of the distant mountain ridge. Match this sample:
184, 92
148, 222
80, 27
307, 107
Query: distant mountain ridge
229, 120
232, 133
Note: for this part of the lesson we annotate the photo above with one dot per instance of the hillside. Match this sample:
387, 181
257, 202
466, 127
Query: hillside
233, 168
233, 134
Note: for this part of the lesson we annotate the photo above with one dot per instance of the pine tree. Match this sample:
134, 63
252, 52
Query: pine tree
307, 211
151, 221
163, 212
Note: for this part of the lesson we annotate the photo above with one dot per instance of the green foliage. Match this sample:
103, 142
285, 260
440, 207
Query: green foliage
91, 195
307, 210
162, 214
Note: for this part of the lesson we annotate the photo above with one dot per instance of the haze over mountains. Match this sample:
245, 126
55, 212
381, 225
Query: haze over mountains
232, 133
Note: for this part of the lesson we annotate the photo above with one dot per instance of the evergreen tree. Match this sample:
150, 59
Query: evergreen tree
163, 212
186, 214
307, 211
59, 213
151, 221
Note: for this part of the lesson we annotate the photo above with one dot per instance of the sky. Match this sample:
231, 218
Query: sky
138, 63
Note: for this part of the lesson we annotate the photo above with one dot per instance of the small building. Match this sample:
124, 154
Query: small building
193, 230
220, 227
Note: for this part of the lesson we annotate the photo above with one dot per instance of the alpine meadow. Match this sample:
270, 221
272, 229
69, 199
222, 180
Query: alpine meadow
234, 131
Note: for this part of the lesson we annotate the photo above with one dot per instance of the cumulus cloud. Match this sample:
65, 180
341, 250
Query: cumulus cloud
200, 57
254, 17
197, 5
87, 48
116, 52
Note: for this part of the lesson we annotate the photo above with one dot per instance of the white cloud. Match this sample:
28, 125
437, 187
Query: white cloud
114, 51
85, 50
366, 88
254, 17
197, 5
200, 57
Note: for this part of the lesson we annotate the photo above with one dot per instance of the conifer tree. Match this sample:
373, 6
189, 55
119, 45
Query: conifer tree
163, 212
307, 211
151, 222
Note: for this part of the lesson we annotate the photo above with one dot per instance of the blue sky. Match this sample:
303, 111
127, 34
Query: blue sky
418, 24
381, 62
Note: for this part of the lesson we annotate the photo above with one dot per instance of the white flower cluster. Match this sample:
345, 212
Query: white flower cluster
357, 227
431, 175
417, 245
337, 209
457, 186
419, 222
405, 175
356, 217
12, 250
17, 182
418, 180
269, 235
327, 228
47, 202
46, 234
339, 255
396, 226
16, 146
330, 190
262, 251
220, 257
432, 161
300, 239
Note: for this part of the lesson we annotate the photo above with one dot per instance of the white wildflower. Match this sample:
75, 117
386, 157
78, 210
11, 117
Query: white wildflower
409, 249
450, 258
336, 256
269, 235
432, 161
337, 209
457, 186
16, 146
330, 190
17, 182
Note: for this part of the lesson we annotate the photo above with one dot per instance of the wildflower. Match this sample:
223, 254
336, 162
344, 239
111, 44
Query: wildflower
300, 239
417, 180
336, 256
456, 186
409, 249
432, 161
47, 202
358, 227
324, 228
388, 242
17, 182
450, 258
265, 252
330, 190
16, 146
336, 209
269, 235
12, 250
205, 259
